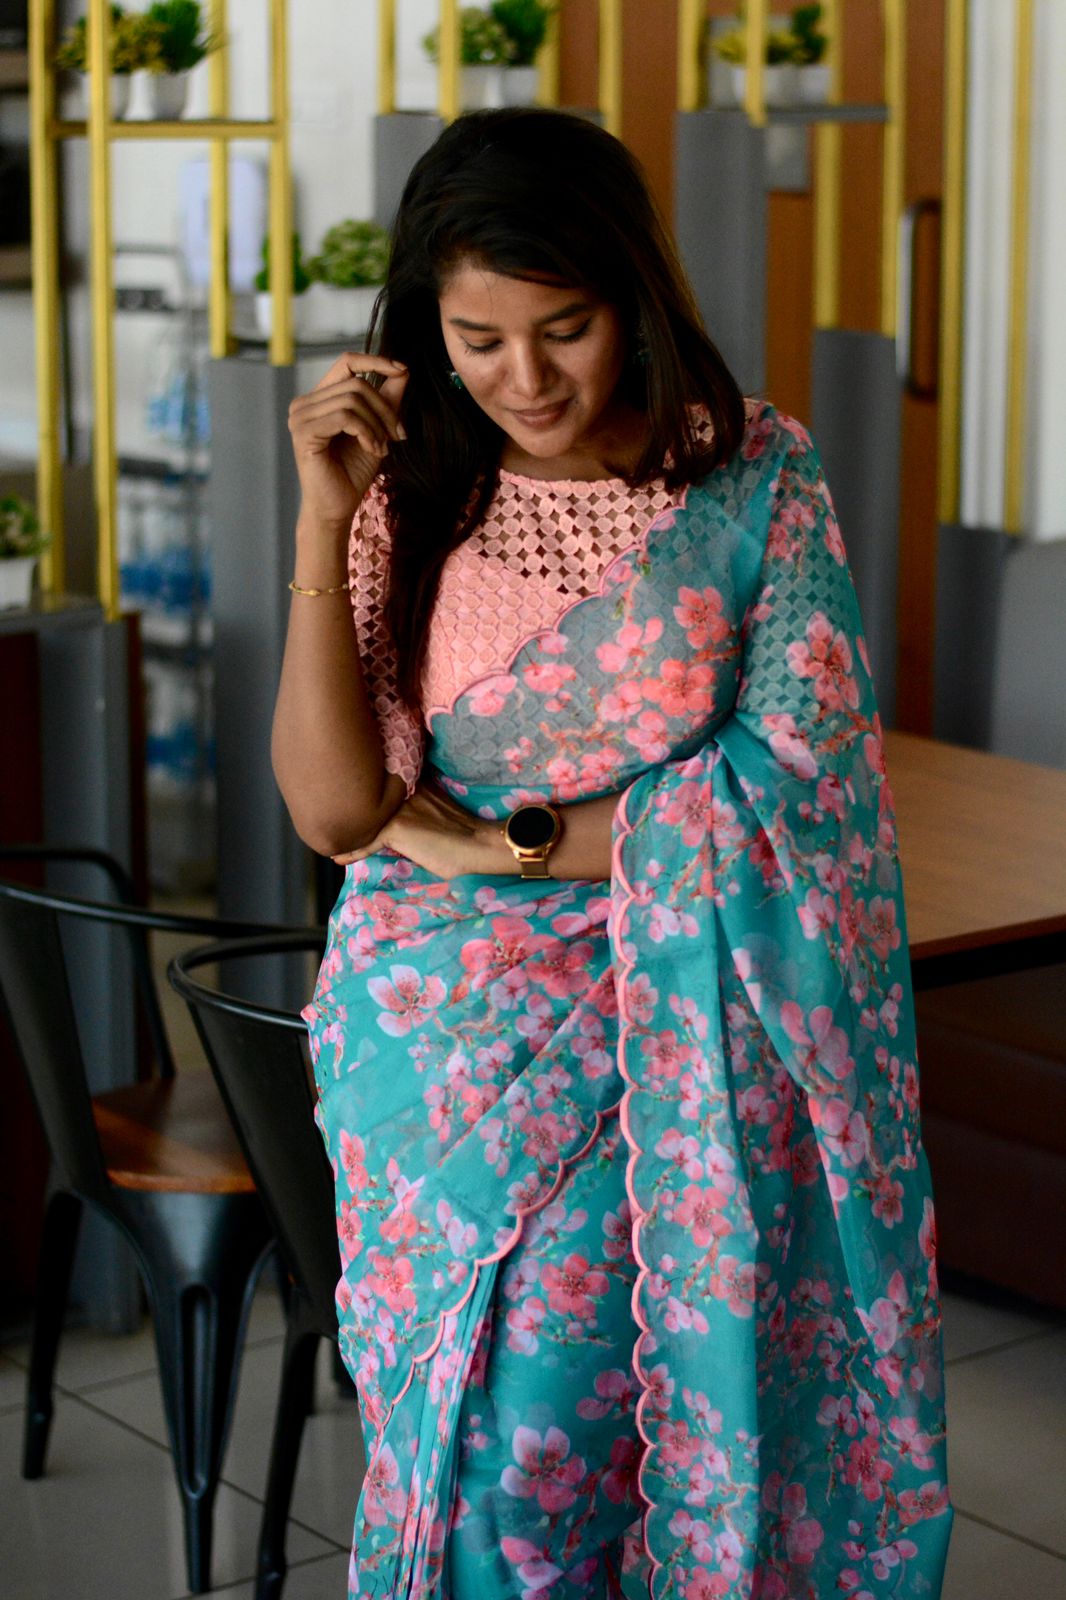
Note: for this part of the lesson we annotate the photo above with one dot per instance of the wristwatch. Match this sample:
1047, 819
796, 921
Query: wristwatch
532, 832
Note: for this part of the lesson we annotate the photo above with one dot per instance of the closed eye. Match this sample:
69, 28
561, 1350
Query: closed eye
554, 338
570, 338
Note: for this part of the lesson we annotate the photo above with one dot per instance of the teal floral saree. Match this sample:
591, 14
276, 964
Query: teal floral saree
638, 1275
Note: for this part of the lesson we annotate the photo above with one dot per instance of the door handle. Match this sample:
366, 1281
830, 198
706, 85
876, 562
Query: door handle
908, 234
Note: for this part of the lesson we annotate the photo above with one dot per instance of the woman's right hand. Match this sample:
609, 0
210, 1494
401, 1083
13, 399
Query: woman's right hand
341, 432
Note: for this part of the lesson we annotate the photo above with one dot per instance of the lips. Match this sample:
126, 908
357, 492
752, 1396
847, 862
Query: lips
542, 416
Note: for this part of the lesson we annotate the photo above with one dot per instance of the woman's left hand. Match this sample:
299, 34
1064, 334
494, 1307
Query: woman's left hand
434, 832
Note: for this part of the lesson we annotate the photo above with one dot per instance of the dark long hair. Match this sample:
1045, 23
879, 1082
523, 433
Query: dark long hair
524, 193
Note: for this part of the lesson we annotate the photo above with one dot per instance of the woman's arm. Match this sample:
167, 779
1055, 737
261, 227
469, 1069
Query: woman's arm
326, 746
432, 830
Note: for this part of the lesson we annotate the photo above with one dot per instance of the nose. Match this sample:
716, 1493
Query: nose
531, 373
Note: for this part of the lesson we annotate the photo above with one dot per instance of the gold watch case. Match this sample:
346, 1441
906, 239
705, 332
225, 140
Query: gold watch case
532, 832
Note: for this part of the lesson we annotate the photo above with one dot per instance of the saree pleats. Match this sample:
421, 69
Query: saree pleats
735, 1005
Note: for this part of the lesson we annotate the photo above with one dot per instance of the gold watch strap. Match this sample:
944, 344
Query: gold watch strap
533, 867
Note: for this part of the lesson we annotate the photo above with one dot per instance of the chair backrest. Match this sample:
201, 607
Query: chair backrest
36, 991
259, 1057
36, 995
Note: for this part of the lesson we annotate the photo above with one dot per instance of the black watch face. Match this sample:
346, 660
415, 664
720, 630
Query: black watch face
531, 826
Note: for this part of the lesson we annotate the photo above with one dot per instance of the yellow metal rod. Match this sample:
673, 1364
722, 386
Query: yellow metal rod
102, 296
754, 62
195, 128
221, 343
548, 64
280, 186
691, 26
1018, 316
892, 160
46, 310
448, 65
610, 65
828, 154
386, 57
952, 263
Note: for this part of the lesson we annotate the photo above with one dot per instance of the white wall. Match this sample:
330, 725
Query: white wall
988, 197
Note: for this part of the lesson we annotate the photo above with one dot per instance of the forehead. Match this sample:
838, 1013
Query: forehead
476, 293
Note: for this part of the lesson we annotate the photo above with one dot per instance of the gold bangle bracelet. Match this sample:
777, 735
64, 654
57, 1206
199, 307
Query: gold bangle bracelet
338, 588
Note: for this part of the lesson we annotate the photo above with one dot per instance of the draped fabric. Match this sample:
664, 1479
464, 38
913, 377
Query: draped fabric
638, 1275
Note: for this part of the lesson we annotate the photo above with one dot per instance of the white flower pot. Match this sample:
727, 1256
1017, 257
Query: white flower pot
348, 311
481, 88
520, 86
812, 84
778, 85
120, 94
167, 94
16, 580
264, 318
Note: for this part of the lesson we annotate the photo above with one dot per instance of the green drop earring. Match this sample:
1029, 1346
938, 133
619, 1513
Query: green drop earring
455, 380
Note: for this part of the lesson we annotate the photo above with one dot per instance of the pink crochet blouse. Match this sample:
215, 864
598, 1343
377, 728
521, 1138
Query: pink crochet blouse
543, 545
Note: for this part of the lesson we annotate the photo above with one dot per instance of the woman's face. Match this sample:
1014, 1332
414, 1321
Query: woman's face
542, 360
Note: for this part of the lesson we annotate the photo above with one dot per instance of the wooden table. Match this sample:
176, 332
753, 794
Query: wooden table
983, 847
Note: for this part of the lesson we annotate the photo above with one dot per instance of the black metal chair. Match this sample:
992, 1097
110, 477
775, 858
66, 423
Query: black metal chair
157, 1158
259, 1057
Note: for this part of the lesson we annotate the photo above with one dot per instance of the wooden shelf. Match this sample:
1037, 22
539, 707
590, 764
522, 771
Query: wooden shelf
16, 266
14, 69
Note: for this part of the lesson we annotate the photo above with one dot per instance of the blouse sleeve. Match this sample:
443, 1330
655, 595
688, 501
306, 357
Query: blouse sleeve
402, 733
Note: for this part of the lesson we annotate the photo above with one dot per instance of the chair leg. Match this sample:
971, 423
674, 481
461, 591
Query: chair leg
295, 1398
201, 1276
62, 1220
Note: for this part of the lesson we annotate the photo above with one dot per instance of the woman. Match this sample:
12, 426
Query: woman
613, 1034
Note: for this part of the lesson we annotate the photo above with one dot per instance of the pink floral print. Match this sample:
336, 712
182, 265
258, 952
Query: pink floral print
636, 1241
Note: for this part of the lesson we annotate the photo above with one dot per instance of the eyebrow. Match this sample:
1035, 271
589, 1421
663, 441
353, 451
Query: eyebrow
571, 310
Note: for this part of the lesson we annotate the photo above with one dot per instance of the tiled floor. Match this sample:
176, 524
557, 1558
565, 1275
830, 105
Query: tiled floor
104, 1524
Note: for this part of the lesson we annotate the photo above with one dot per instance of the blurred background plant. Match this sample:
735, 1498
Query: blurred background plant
801, 44
20, 531
483, 41
174, 36
127, 44
526, 23
301, 279
352, 255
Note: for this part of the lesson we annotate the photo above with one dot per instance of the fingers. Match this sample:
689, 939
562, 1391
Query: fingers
328, 410
353, 363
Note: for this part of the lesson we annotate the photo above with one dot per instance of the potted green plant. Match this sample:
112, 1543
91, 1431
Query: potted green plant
352, 262
526, 23
301, 282
809, 44
175, 41
778, 71
127, 55
21, 542
485, 49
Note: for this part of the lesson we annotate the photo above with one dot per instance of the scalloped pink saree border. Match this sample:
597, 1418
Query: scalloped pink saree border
623, 968
497, 1255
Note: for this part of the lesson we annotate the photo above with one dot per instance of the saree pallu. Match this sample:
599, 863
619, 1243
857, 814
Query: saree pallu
638, 1279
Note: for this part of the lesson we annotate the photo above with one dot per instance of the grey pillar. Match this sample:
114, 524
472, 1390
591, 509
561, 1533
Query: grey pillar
253, 500
399, 139
970, 579
720, 224
856, 422
86, 782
